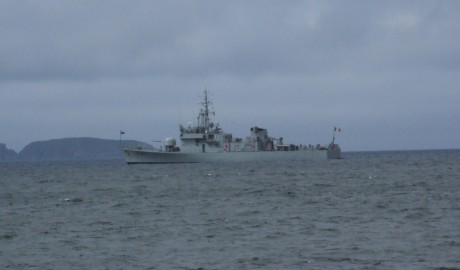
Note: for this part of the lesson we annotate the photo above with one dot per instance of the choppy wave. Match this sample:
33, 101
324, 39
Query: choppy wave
394, 210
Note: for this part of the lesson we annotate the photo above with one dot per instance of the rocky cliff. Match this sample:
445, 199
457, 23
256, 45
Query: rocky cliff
75, 149
7, 154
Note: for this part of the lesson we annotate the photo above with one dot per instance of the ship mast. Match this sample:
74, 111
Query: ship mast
203, 117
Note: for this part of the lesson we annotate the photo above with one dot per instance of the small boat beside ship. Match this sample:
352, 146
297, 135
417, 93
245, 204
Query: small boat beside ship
207, 142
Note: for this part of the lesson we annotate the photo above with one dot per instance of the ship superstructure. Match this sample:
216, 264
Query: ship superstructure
207, 142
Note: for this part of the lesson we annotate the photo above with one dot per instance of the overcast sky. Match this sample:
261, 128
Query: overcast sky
386, 72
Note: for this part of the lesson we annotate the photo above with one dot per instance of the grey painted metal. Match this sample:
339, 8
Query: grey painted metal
206, 142
137, 156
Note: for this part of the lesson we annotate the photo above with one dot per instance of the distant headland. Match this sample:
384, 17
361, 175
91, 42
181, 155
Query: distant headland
69, 149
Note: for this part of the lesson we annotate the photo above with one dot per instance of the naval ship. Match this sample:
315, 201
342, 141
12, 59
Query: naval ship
207, 142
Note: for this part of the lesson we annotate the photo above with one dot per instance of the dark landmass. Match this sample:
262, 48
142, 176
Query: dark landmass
7, 154
70, 149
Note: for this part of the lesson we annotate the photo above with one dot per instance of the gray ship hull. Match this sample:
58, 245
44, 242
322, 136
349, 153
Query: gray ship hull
207, 142
142, 156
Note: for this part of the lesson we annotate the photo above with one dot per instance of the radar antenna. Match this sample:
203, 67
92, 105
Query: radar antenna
203, 117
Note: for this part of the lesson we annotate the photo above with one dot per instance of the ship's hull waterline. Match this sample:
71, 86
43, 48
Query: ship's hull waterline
138, 156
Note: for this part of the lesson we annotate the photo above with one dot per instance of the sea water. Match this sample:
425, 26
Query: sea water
372, 210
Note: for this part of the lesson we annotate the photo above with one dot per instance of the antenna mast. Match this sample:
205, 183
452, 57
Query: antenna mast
203, 117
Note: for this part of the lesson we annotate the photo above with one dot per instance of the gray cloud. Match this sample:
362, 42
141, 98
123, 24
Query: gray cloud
385, 71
